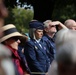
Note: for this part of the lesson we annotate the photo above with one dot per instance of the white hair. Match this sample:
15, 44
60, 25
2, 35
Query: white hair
32, 33
46, 23
66, 46
64, 35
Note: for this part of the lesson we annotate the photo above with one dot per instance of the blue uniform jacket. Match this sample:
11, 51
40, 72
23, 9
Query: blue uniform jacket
50, 45
36, 57
23, 58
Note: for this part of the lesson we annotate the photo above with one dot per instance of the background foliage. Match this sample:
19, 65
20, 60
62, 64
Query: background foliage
20, 17
61, 10
64, 9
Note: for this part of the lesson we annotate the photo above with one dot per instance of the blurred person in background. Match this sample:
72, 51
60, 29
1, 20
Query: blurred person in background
66, 52
6, 64
65, 62
3, 15
70, 23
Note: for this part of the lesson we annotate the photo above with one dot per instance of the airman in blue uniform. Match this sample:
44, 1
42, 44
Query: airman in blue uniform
49, 38
50, 29
50, 44
35, 50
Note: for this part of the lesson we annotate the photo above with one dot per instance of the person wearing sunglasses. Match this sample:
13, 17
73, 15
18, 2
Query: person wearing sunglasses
11, 39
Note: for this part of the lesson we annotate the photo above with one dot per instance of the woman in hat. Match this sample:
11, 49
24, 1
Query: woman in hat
11, 39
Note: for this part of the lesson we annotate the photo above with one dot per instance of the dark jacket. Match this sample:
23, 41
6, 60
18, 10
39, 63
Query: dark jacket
36, 57
23, 58
50, 44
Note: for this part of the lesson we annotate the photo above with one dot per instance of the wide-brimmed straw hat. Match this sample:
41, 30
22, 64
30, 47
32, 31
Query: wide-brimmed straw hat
11, 31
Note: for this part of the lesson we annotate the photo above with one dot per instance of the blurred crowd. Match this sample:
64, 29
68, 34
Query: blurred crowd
48, 49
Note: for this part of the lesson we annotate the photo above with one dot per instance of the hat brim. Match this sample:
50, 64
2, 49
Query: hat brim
20, 36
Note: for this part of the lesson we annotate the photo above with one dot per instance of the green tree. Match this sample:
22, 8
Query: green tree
48, 9
64, 9
21, 18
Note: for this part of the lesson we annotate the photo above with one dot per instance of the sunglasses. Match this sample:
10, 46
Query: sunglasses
15, 38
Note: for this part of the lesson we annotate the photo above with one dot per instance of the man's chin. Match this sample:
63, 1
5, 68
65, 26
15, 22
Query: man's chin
53, 32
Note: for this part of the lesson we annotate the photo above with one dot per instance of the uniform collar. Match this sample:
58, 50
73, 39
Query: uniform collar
52, 39
38, 40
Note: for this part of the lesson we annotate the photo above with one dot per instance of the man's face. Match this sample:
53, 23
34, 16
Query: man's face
38, 33
73, 27
51, 28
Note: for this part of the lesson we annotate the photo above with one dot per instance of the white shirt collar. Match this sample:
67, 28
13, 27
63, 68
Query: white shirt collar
38, 40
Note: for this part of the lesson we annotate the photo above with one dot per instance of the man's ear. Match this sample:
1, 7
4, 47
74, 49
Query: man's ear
45, 29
